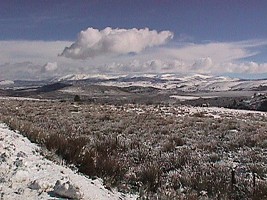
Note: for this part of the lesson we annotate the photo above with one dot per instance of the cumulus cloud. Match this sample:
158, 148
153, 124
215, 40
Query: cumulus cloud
203, 65
26, 59
93, 42
245, 67
148, 66
49, 67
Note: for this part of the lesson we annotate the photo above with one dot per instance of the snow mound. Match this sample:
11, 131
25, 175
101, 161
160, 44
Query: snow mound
26, 174
40, 185
67, 190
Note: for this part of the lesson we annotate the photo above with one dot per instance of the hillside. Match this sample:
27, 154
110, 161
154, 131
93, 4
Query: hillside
194, 90
183, 83
26, 174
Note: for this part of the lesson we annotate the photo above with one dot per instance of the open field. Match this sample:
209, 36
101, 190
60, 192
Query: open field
156, 151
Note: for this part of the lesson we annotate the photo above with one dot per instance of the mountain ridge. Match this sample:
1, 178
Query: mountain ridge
187, 83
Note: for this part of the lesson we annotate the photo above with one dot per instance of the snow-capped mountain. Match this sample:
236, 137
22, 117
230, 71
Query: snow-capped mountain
6, 82
77, 77
192, 83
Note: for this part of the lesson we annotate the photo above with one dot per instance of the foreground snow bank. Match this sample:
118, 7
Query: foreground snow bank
25, 174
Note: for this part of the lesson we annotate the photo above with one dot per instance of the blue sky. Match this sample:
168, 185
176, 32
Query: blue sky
200, 36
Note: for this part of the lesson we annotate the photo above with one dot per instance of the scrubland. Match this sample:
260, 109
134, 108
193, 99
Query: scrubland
155, 151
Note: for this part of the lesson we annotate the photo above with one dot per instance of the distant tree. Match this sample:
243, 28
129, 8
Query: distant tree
77, 98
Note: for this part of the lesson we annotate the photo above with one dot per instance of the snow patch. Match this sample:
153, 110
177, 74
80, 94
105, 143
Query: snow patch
6, 82
25, 174
184, 98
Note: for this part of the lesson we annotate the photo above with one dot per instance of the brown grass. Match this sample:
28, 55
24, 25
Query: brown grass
143, 149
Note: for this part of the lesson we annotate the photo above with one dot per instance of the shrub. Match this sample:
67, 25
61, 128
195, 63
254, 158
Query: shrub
87, 163
77, 98
260, 191
150, 176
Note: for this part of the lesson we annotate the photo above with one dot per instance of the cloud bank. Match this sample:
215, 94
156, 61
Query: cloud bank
21, 70
93, 42
36, 60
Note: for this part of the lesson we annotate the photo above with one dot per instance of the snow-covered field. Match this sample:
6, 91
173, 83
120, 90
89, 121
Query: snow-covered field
155, 151
23, 99
26, 174
184, 98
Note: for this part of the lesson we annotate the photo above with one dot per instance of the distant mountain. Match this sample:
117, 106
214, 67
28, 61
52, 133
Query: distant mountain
167, 83
78, 77
194, 90
6, 82
194, 83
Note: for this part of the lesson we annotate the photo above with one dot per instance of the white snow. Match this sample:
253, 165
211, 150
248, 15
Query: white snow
6, 82
220, 111
184, 98
72, 90
25, 174
22, 99
192, 83
75, 77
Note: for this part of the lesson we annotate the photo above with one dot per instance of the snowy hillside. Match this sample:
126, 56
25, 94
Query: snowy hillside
192, 83
25, 174
76, 77
6, 82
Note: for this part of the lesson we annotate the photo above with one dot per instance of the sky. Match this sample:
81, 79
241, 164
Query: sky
46, 38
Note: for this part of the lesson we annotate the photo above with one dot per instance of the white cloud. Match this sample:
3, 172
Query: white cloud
49, 67
39, 59
217, 51
138, 66
202, 65
21, 70
33, 51
245, 67
25, 59
93, 42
